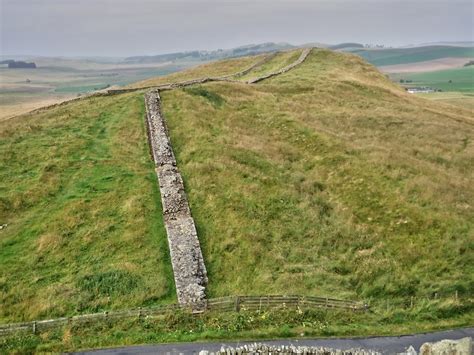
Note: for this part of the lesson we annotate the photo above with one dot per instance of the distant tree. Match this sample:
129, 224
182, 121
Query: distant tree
402, 81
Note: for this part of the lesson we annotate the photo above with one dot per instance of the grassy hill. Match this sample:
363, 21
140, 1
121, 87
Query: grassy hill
321, 181
327, 180
220, 68
380, 57
80, 198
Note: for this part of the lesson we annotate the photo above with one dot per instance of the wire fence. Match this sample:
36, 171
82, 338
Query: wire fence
223, 304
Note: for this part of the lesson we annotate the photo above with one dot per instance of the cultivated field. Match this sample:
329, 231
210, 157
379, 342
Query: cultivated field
389, 56
56, 80
428, 66
460, 79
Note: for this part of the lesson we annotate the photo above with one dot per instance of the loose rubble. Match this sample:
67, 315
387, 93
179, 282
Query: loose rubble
260, 348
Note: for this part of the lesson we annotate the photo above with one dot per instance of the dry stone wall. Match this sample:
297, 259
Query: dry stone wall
260, 348
186, 257
188, 264
181, 84
228, 78
301, 59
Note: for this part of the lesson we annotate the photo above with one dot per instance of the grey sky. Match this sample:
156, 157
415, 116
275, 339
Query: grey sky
133, 27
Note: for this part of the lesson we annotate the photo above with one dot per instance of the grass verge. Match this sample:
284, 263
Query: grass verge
245, 325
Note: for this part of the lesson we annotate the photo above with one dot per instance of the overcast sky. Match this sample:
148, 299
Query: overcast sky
134, 27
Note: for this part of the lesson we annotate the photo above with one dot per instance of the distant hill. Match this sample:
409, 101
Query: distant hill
346, 46
453, 44
196, 55
393, 56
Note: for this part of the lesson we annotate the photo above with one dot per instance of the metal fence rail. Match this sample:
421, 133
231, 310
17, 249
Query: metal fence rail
223, 304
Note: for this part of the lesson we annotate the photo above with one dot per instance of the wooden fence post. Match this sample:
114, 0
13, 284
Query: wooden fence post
237, 304
34, 328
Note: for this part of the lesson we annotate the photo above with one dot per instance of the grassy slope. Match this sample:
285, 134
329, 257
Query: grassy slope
281, 60
461, 99
79, 194
327, 180
219, 68
410, 55
336, 184
461, 79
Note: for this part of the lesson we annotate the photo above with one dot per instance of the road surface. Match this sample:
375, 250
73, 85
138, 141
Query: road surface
386, 345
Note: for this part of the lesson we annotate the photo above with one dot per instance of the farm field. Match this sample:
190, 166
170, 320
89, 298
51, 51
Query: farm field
460, 80
394, 56
427, 66
56, 80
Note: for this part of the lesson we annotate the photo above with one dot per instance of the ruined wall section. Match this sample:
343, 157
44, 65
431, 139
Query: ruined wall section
186, 257
301, 59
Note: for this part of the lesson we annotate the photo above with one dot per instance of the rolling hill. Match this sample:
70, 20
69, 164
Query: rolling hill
326, 180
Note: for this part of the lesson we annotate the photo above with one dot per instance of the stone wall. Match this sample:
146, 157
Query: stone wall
181, 84
186, 258
260, 348
227, 78
301, 59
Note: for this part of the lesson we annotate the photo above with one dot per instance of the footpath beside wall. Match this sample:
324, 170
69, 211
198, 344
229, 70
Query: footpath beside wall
186, 258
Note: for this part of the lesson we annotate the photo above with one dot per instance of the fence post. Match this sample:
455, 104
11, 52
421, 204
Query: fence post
139, 312
411, 302
34, 328
237, 304
327, 302
456, 295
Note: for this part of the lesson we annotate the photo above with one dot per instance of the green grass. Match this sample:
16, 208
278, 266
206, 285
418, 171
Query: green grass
281, 60
79, 194
213, 69
460, 80
320, 181
246, 325
411, 55
461, 99
328, 180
